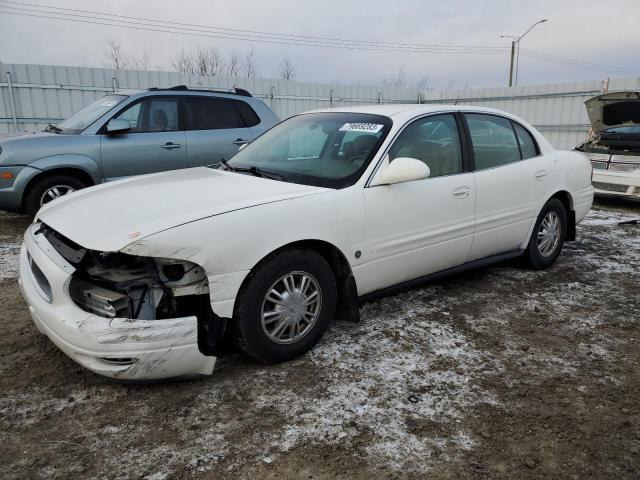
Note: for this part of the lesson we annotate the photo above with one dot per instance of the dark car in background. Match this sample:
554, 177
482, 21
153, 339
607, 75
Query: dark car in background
121, 135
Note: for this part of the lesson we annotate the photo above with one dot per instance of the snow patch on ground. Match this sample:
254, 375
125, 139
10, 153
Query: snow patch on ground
9, 258
21, 409
372, 385
607, 217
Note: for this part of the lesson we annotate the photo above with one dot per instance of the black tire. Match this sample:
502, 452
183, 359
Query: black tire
533, 256
248, 330
36, 191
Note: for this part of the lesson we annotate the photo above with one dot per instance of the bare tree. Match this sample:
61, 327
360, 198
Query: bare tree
399, 81
143, 62
287, 70
250, 64
200, 61
215, 62
424, 84
184, 63
235, 64
116, 56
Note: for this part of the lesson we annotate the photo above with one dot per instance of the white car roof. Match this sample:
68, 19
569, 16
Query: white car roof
404, 112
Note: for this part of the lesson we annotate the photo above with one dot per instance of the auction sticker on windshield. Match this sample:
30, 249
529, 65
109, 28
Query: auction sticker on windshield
361, 127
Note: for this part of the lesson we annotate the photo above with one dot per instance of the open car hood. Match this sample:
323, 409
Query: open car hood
110, 216
613, 110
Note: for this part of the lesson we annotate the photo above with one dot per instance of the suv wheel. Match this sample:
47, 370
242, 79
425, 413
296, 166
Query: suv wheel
548, 235
285, 306
49, 188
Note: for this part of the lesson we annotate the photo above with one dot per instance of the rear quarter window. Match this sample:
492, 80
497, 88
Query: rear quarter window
248, 114
528, 145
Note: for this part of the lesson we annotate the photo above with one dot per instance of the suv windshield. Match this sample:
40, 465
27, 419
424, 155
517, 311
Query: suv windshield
323, 149
89, 114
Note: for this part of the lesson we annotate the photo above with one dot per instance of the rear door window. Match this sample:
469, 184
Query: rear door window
493, 139
212, 114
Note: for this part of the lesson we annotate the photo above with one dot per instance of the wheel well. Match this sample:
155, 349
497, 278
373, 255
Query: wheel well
567, 201
81, 175
347, 307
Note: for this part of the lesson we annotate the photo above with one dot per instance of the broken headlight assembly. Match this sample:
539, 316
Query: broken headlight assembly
125, 286
117, 285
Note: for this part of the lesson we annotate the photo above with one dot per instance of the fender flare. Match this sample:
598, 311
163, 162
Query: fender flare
83, 163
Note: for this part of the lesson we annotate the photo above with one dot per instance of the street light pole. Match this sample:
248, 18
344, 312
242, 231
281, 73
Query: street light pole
515, 42
513, 52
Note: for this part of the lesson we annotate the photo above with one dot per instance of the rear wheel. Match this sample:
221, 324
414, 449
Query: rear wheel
548, 235
48, 189
285, 306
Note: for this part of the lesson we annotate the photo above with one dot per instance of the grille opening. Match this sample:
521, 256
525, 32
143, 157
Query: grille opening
41, 280
119, 361
609, 187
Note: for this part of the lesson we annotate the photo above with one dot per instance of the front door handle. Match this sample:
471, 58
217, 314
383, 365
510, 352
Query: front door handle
541, 174
170, 146
461, 192
240, 141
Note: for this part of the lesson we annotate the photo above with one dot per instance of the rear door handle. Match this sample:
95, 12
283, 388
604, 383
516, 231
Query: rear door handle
240, 141
170, 146
541, 174
461, 192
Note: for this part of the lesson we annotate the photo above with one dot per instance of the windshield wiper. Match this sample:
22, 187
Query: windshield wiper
255, 171
258, 172
53, 128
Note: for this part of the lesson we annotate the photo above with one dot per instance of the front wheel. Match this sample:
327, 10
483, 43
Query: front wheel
48, 189
548, 235
285, 306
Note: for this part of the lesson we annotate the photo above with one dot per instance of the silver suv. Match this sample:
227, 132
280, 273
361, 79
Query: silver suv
127, 134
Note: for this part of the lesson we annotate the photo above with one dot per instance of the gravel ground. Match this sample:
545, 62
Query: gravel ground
498, 373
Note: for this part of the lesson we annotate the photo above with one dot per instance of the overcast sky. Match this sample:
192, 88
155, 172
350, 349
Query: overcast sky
590, 31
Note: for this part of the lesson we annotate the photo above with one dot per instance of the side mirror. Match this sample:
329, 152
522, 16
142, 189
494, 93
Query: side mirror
118, 125
400, 170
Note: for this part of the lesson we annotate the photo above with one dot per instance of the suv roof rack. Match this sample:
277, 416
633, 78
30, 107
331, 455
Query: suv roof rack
184, 88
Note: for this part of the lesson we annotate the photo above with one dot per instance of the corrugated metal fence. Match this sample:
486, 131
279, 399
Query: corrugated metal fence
33, 95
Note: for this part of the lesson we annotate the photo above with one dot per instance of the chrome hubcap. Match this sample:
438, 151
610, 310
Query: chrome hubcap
54, 192
549, 234
291, 307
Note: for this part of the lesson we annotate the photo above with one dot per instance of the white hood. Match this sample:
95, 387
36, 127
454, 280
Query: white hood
110, 216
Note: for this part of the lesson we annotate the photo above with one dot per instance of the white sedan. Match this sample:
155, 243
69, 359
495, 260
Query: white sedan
144, 278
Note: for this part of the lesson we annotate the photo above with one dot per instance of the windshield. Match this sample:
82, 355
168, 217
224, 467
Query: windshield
322, 149
89, 114
624, 129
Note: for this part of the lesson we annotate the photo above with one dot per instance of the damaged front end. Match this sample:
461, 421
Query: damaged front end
120, 286
614, 145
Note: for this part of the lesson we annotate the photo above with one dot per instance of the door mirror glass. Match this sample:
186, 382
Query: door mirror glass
401, 170
118, 125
